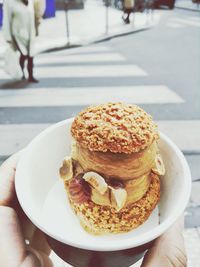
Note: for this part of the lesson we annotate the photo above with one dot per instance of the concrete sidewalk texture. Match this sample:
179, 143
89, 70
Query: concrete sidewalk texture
86, 26
187, 4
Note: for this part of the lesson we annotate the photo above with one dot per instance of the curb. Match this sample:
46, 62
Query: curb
99, 40
112, 36
187, 8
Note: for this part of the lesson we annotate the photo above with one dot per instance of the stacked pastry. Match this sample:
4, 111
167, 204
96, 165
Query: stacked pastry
112, 174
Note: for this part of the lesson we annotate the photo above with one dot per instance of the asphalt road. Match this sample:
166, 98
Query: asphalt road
170, 54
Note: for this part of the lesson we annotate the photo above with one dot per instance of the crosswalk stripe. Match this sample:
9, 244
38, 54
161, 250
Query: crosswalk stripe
154, 94
186, 21
89, 49
125, 70
174, 25
184, 133
79, 50
103, 57
14, 137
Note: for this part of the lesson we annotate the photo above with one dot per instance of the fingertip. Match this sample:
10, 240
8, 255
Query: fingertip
7, 177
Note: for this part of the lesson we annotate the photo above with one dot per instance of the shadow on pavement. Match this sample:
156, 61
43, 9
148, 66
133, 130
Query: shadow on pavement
14, 84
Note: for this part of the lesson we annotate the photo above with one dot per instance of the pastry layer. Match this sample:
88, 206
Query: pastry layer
120, 166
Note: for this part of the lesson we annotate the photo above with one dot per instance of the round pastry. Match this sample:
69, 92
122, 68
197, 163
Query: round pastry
112, 175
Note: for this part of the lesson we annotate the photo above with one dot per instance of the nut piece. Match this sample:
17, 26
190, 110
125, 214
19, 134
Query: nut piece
99, 199
118, 196
159, 167
96, 181
66, 170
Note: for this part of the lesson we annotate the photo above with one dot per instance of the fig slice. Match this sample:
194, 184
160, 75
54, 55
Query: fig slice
79, 190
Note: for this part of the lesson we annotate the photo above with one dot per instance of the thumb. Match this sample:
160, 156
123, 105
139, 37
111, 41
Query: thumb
13, 249
168, 250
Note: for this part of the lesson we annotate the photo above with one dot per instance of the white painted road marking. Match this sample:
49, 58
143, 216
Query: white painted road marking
175, 25
78, 51
149, 94
185, 133
90, 71
103, 57
186, 21
86, 49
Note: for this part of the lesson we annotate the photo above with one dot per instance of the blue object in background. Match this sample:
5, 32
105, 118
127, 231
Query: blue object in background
50, 10
1, 14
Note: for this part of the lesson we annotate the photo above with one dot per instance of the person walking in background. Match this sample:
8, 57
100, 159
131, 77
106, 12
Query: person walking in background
20, 25
128, 6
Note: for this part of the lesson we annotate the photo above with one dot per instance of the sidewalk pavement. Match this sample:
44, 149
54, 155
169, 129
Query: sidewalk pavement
187, 4
87, 26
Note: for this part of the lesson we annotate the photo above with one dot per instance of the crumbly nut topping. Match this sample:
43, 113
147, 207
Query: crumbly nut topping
104, 219
114, 127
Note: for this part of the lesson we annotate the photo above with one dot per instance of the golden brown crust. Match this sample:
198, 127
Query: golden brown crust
98, 219
114, 127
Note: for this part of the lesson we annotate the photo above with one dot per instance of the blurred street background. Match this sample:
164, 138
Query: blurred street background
154, 62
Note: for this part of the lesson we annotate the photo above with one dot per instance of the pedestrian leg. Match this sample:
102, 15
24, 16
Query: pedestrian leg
128, 17
21, 62
30, 70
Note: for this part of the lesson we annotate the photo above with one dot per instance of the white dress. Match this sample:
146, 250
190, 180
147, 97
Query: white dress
19, 25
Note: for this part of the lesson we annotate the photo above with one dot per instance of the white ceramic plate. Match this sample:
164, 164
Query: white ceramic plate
43, 199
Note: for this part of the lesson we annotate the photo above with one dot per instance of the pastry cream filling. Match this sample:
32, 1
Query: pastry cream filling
117, 165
